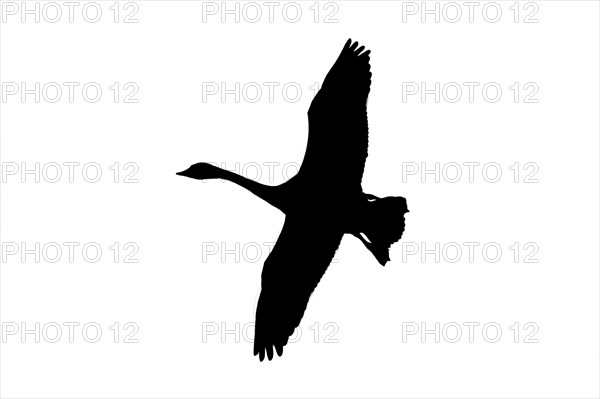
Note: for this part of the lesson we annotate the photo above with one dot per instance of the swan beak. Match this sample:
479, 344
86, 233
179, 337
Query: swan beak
184, 173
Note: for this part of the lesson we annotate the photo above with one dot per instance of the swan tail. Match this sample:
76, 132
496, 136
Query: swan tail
383, 225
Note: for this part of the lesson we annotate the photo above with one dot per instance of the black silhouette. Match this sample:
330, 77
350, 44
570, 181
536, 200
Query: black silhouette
321, 203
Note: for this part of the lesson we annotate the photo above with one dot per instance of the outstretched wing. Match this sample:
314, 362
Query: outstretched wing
338, 132
291, 272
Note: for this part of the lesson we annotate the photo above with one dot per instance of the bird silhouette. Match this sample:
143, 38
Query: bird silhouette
321, 203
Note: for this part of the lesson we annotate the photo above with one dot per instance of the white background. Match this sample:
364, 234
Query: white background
177, 289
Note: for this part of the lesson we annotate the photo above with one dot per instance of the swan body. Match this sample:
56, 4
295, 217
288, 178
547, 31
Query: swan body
322, 202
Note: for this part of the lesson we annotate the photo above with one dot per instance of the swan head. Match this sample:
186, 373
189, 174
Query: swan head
200, 171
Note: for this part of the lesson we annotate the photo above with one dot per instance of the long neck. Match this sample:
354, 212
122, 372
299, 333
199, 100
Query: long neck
270, 194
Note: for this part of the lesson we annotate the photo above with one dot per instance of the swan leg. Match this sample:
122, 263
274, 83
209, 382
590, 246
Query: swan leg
380, 254
367, 244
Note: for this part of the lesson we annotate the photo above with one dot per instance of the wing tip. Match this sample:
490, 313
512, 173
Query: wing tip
352, 47
261, 349
268, 350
